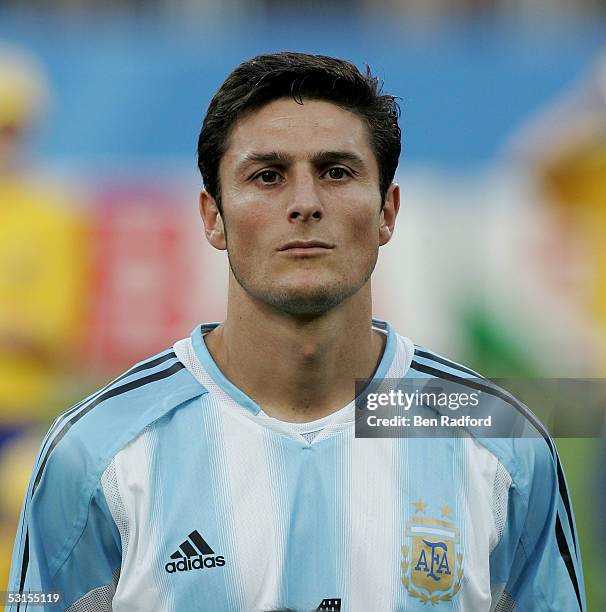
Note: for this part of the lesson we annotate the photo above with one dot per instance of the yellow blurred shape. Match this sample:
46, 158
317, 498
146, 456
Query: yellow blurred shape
43, 267
16, 461
573, 173
24, 91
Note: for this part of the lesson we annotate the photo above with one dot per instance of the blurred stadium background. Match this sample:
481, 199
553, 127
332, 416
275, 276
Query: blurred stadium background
499, 260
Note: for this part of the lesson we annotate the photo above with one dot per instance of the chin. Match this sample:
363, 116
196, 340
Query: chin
310, 301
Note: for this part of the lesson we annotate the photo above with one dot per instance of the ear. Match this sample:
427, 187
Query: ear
213, 221
389, 213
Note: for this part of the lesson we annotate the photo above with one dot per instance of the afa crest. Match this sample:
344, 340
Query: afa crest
432, 564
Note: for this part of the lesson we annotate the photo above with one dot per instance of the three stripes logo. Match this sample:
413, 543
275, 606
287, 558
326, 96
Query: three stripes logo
193, 554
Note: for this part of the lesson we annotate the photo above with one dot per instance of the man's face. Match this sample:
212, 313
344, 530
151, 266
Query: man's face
301, 205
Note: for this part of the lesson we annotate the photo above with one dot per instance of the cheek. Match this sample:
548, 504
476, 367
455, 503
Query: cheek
246, 226
363, 229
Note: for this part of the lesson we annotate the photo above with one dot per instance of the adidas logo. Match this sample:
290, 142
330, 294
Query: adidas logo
195, 553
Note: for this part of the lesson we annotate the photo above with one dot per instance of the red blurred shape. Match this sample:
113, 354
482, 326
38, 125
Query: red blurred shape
141, 283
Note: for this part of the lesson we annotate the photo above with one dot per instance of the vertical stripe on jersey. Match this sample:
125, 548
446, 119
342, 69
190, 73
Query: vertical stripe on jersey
343, 466
249, 486
460, 475
375, 554
133, 478
310, 550
276, 459
476, 497
216, 434
402, 505
157, 521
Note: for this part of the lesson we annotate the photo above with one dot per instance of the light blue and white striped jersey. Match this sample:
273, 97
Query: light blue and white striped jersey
170, 489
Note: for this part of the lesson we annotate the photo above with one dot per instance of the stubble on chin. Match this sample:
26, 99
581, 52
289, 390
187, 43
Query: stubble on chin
297, 301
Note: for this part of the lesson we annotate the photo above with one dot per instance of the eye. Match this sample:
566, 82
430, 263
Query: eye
337, 173
267, 177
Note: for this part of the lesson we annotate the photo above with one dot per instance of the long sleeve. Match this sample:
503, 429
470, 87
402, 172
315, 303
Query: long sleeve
66, 541
537, 564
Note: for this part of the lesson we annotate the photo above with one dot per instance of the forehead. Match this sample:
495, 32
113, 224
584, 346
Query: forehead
299, 130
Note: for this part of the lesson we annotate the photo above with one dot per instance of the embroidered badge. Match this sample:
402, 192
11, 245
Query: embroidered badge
432, 564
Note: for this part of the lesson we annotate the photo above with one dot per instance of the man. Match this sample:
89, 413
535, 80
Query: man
225, 474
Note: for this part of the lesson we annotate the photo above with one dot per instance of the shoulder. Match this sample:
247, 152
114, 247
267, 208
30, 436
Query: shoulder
83, 439
518, 438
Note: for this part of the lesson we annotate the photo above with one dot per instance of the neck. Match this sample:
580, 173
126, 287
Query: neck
297, 369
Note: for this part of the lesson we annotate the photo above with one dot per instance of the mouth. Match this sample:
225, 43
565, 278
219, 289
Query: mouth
306, 247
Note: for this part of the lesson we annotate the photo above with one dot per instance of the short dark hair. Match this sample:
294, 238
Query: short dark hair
265, 78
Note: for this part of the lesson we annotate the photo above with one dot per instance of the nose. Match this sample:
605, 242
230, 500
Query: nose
305, 203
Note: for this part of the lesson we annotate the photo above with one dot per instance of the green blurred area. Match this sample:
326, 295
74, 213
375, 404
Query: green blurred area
495, 351
582, 461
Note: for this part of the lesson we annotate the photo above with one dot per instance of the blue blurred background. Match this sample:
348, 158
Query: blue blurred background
503, 174
135, 83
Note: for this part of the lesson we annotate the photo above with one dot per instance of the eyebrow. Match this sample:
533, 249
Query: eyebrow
280, 158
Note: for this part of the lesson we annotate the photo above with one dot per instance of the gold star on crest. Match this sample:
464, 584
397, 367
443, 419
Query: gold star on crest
420, 505
445, 510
